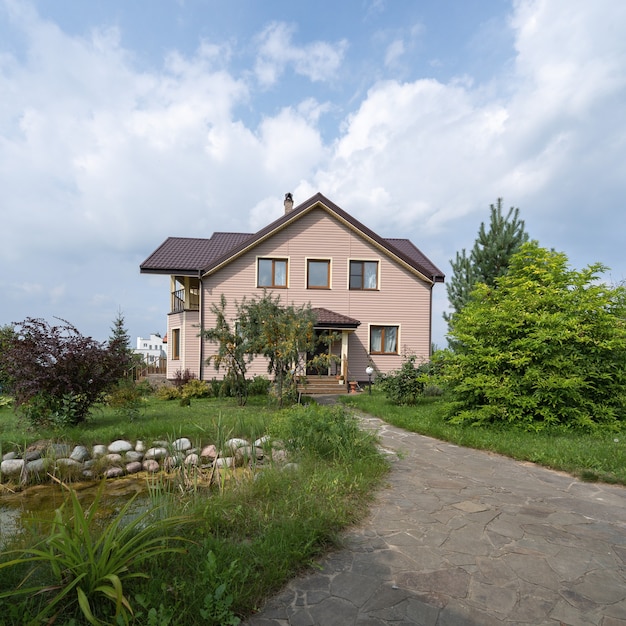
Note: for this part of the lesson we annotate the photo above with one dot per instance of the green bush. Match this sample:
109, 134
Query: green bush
126, 398
259, 386
408, 384
545, 347
196, 389
165, 392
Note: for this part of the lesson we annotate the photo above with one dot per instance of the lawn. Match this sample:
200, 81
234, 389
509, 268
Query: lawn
242, 542
598, 456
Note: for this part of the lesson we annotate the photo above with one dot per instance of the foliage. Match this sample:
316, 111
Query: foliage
119, 340
7, 336
546, 346
196, 389
323, 431
232, 353
218, 602
408, 384
126, 398
282, 334
182, 377
264, 327
167, 392
57, 373
88, 566
258, 386
489, 258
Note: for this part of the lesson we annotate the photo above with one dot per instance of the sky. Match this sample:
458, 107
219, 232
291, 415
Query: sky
123, 123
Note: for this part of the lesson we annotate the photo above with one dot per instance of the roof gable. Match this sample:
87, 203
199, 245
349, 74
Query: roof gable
194, 256
401, 249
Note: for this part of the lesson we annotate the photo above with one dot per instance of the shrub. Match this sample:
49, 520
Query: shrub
58, 374
196, 389
126, 398
181, 378
545, 347
408, 384
259, 386
166, 392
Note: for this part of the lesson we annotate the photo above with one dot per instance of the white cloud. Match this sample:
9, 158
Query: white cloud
318, 61
101, 160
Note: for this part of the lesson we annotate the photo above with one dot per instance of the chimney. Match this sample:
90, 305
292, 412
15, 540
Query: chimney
288, 202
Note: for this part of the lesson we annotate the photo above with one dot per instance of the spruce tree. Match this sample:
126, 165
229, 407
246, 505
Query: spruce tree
488, 259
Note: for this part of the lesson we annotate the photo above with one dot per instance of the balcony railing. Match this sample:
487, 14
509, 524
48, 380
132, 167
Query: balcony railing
182, 303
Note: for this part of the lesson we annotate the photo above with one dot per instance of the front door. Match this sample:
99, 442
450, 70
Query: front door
320, 348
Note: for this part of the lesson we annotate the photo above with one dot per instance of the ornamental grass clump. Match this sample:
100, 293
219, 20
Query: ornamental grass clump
83, 563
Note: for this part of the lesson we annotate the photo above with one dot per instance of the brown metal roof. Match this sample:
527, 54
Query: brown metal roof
406, 247
329, 318
192, 256
184, 255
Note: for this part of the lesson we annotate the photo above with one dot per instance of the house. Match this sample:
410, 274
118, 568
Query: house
374, 292
152, 349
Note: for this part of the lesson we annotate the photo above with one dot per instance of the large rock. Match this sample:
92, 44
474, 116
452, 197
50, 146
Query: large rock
59, 450
12, 467
119, 446
156, 454
209, 452
99, 450
80, 454
132, 456
182, 444
150, 465
235, 443
133, 467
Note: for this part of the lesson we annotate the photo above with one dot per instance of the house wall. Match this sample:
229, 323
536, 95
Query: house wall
402, 299
188, 323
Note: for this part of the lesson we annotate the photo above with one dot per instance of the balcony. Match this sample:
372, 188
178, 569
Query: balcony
185, 300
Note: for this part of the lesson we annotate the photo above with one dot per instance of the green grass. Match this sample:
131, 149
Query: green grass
157, 419
243, 542
599, 456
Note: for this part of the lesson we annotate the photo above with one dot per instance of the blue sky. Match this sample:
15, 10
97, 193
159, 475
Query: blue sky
122, 123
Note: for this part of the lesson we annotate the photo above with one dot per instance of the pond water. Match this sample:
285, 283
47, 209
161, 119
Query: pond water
34, 507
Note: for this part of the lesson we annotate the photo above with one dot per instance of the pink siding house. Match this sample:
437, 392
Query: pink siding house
375, 293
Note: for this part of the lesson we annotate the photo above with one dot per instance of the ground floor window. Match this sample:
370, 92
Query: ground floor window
175, 344
384, 340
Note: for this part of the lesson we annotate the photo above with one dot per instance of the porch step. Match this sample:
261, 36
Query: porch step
322, 386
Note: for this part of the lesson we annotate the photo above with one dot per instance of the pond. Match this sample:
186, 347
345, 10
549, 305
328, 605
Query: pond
34, 507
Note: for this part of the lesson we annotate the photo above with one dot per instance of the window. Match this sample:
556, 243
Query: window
272, 273
318, 274
175, 344
363, 274
384, 340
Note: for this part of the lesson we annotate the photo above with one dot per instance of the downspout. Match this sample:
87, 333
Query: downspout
201, 307
430, 322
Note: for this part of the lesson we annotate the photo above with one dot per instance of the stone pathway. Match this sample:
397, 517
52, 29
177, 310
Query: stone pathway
463, 537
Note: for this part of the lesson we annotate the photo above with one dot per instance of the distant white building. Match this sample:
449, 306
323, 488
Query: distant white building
152, 349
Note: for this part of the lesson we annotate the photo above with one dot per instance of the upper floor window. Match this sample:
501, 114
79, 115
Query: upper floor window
363, 274
384, 339
272, 273
318, 274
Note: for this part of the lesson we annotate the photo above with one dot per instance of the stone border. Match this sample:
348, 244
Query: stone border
120, 458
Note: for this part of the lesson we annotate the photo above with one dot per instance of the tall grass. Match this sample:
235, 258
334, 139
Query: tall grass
245, 541
597, 456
